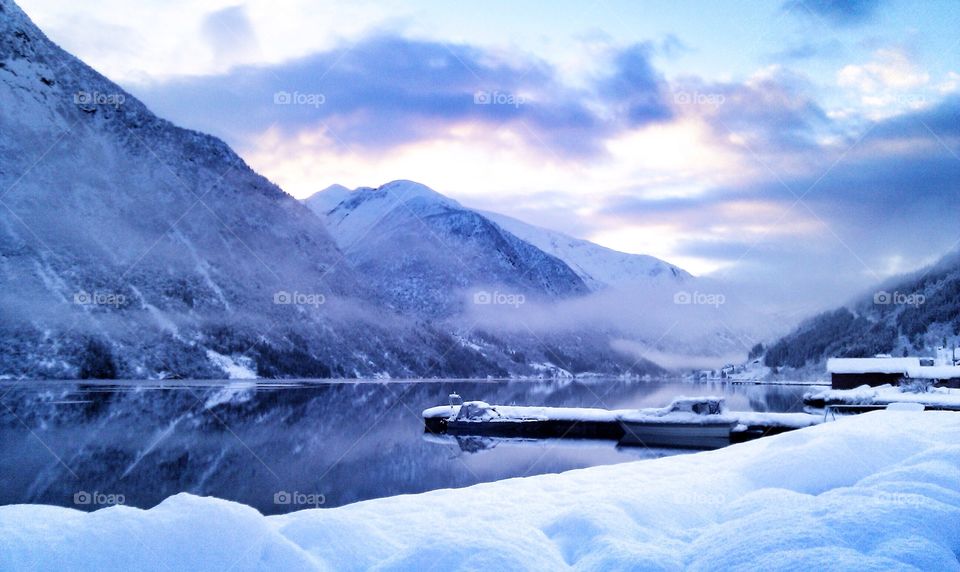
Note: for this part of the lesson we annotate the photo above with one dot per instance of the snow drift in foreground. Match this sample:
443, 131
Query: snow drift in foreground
879, 491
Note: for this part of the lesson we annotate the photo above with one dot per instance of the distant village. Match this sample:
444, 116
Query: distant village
941, 370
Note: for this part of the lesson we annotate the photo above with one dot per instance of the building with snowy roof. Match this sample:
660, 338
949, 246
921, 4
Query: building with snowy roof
848, 373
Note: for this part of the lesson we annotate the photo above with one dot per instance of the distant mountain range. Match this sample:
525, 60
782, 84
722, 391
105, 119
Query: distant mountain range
911, 314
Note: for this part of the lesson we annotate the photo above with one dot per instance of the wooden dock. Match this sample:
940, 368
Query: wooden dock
686, 423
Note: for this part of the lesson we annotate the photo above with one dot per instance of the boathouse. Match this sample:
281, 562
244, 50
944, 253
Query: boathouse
848, 373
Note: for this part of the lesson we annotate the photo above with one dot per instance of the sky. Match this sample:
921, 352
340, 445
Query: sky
806, 149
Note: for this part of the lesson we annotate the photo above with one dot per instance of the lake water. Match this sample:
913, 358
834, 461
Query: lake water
285, 446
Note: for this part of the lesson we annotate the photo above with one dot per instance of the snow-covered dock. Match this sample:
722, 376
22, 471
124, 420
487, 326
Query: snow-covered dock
934, 399
702, 422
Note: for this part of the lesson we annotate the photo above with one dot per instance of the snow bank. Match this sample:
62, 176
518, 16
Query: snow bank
879, 491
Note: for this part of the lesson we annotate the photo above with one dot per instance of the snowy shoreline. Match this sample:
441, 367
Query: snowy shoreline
873, 491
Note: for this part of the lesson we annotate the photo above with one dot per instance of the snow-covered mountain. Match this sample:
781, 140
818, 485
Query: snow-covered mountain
130, 247
430, 254
598, 266
351, 215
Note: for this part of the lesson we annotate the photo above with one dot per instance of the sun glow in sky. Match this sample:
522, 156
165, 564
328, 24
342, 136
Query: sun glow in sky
751, 139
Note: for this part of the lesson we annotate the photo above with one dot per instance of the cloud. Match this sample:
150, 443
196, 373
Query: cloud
805, 237
809, 49
386, 91
635, 89
889, 70
836, 12
690, 170
230, 34
773, 111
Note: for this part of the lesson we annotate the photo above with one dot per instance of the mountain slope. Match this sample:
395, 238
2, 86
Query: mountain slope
598, 266
429, 253
911, 314
130, 247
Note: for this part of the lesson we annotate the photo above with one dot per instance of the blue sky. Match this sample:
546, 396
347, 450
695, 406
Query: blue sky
807, 148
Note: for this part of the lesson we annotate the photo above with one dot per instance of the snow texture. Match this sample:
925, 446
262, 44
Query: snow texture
879, 491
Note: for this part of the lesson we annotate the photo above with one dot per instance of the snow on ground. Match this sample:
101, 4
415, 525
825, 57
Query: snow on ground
885, 394
242, 368
879, 491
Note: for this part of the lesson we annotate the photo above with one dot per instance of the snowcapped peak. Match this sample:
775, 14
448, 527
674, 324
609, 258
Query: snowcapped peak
335, 188
403, 190
385, 197
326, 200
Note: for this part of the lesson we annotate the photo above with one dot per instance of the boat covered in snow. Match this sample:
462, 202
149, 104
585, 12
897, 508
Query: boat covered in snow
698, 422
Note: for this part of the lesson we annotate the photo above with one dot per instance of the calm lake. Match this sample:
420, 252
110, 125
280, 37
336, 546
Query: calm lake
285, 446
